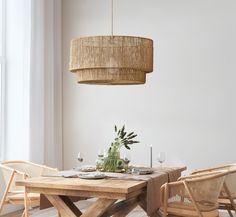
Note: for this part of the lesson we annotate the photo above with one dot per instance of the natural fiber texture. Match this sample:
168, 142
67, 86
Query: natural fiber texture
111, 59
30, 169
206, 191
229, 180
193, 193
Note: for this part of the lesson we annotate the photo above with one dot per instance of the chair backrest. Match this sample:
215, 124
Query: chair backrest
230, 182
230, 179
5, 174
227, 167
204, 190
23, 167
31, 169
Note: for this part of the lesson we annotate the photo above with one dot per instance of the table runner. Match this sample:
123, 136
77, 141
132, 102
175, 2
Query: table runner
160, 176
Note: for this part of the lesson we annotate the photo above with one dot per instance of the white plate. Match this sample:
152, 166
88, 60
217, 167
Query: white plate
92, 176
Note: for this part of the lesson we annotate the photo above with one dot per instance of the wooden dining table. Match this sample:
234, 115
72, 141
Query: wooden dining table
115, 197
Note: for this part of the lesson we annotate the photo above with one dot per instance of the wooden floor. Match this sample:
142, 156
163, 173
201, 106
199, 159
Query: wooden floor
82, 205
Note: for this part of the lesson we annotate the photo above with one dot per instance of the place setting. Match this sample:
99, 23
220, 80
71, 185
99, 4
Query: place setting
111, 164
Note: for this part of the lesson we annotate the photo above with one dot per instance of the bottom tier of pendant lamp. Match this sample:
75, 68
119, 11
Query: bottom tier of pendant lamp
111, 76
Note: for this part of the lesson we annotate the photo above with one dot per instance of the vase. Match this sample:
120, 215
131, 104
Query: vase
111, 161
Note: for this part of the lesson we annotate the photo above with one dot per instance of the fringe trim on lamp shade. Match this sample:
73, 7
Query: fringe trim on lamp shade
111, 59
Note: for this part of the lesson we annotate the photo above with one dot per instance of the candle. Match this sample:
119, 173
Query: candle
151, 156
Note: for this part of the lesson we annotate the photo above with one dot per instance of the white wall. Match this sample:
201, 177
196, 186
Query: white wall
187, 107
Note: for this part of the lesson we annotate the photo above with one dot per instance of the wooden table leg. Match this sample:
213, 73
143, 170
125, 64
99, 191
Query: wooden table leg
159, 213
124, 212
64, 206
122, 208
142, 204
98, 208
71, 205
45, 203
155, 214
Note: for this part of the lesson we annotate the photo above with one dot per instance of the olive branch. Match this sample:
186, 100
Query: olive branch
123, 138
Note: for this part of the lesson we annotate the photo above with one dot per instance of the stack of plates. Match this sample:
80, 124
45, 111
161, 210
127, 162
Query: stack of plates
92, 176
68, 174
141, 170
86, 168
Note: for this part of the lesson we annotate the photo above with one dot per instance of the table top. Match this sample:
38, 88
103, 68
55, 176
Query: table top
98, 185
117, 188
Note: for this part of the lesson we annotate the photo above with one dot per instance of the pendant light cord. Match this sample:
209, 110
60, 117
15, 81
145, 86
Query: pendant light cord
112, 17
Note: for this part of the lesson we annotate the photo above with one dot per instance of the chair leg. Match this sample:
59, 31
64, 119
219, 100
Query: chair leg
2, 202
1, 206
234, 208
23, 214
164, 214
26, 212
6, 191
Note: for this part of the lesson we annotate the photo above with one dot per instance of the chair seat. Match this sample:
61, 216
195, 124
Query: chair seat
225, 203
225, 196
188, 210
17, 198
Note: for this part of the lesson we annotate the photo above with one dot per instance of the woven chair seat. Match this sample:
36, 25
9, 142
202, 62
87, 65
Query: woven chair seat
33, 199
188, 210
225, 203
30, 196
189, 206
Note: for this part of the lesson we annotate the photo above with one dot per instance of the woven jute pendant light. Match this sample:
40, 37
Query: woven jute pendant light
114, 60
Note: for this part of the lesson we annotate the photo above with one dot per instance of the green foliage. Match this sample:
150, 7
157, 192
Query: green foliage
123, 138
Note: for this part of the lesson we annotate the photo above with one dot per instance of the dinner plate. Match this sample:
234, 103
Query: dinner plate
92, 176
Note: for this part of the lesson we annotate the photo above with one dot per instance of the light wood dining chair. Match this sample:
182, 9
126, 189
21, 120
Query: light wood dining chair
227, 198
192, 196
12, 171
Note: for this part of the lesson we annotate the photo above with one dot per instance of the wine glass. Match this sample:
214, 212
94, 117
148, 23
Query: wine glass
127, 158
161, 157
101, 153
80, 157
